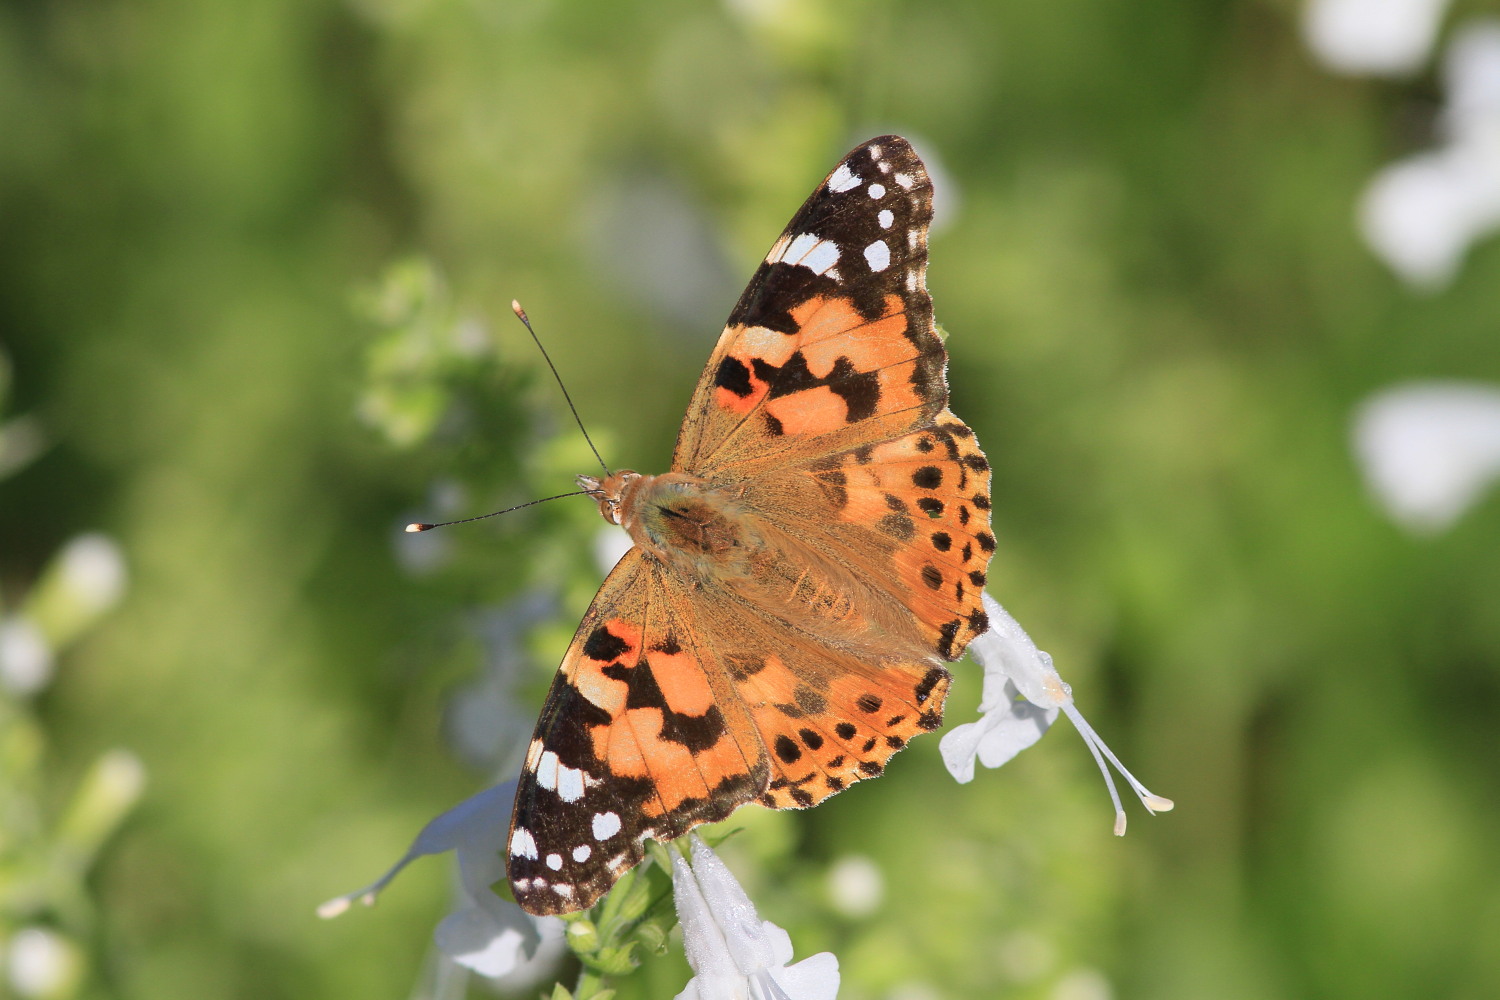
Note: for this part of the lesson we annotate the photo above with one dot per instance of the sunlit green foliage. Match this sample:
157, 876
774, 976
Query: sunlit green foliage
258, 265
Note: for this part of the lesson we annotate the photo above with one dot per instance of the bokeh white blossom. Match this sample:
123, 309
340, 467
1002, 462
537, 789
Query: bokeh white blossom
37, 964
1372, 37
856, 887
1429, 450
85, 580
1422, 214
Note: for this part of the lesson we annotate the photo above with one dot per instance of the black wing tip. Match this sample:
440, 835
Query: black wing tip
892, 147
884, 140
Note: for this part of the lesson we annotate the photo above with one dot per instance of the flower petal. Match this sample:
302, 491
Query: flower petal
814, 978
473, 938
475, 825
702, 939
734, 954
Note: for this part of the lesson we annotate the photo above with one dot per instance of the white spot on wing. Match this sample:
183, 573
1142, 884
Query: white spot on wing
806, 250
905, 180
821, 257
842, 179
878, 255
555, 776
877, 191
581, 853
570, 783
546, 771
778, 249
606, 825
565, 891
554, 861
887, 218
522, 843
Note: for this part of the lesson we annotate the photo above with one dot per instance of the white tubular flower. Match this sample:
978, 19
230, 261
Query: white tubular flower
1014, 669
734, 954
1429, 450
489, 935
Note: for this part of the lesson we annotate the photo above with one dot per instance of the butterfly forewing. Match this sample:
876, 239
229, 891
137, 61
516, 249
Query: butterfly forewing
641, 736
832, 344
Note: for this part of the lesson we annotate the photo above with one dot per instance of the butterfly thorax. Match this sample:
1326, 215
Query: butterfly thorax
681, 520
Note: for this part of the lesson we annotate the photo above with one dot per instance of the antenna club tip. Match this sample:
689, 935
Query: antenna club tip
416, 526
515, 307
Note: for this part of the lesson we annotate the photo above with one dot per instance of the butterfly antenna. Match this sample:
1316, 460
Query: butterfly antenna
424, 526
515, 307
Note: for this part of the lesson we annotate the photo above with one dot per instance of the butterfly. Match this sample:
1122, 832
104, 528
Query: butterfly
798, 579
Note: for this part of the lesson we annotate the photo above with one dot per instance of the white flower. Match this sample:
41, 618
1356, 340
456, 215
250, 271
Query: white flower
1380, 37
25, 656
92, 571
1429, 449
488, 934
1014, 669
1421, 214
855, 885
41, 963
1471, 77
734, 954
1009, 722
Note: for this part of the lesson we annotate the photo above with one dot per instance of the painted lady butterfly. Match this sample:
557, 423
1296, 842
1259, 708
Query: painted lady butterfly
817, 551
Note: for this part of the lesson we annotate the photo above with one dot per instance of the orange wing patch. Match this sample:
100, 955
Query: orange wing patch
828, 724
841, 367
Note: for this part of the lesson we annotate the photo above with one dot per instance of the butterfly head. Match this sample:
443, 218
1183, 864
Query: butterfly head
611, 492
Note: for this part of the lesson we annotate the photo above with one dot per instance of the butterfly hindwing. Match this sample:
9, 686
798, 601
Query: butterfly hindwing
828, 716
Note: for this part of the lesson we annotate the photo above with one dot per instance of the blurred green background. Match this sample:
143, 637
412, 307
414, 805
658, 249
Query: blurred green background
257, 260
